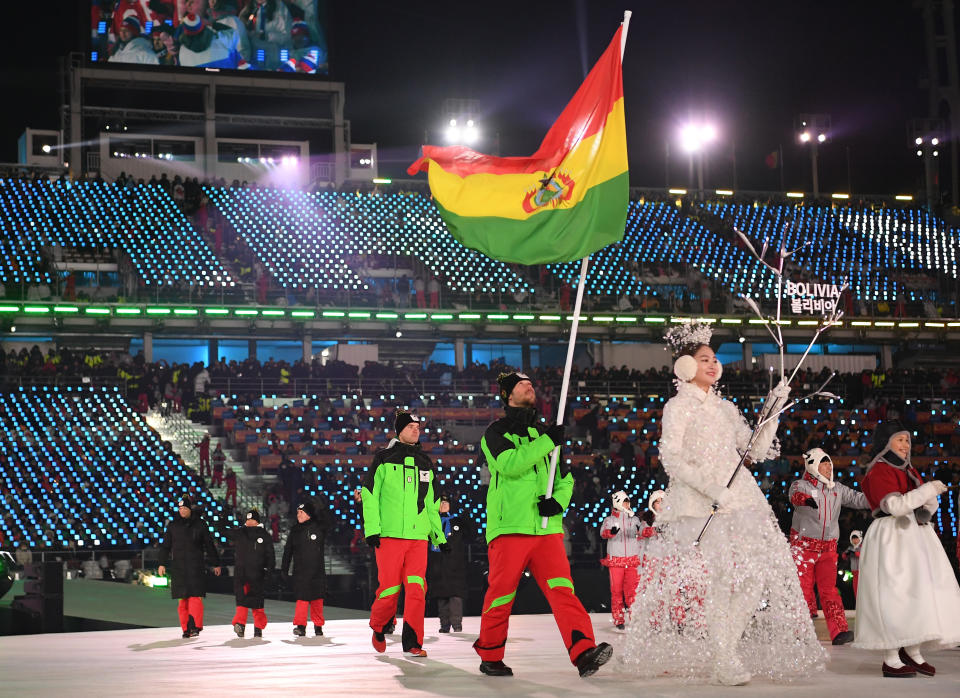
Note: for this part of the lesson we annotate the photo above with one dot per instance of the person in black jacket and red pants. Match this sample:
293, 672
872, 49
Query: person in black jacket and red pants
254, 562
187, 546
309, 580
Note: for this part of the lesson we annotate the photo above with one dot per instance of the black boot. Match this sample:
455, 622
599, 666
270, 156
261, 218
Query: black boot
444, 628
192, 627
300, 630
843, 638
592, 659
238, 628
391, 627
495, 669
317, 630
258, 632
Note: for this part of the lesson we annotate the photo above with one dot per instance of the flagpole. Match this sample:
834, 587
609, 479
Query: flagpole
571, 346
562, 408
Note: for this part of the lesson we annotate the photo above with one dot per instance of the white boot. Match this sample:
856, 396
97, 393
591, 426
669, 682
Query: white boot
730, 672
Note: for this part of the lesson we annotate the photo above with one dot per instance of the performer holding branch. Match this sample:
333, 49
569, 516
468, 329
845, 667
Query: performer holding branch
744, 612
816, 501
908, 600
517, 449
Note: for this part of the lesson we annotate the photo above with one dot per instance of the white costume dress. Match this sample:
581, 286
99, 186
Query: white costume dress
733, 604
908, 594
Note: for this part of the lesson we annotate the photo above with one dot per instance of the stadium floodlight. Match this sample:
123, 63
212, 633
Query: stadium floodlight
806, 126
46, 148
470, 133
919, 141
453, 132
935, 141
694, 139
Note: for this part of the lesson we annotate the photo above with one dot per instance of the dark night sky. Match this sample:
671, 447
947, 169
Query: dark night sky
753, 66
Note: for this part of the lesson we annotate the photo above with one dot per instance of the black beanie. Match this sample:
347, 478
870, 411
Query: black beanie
402, 419
254, 515
508, 381
185, 501
308, 509
883, 433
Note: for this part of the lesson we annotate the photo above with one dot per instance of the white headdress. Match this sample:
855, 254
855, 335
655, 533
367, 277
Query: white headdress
855, 534
812, 460
618, 502
683, 336
654, 498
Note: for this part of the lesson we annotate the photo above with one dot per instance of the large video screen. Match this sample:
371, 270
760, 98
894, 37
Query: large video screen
286, 36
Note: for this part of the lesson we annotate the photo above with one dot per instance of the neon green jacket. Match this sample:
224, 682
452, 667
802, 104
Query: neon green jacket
398, 497
518, 455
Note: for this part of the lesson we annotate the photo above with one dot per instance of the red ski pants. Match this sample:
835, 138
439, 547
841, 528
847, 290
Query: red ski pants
623, 590
401, 563
315, 607
259, 617
191, 606
856, 579
817, 565
509, 555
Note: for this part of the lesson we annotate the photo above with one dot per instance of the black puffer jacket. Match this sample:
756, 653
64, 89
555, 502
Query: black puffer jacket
305, 549
254, 562
187, 549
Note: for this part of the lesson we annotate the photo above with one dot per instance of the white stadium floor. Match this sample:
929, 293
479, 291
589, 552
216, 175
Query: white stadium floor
156, 661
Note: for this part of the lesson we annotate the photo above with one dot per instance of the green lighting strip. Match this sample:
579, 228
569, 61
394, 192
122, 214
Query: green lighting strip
127, 310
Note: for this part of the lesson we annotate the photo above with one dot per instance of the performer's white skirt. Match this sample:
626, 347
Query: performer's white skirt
685, 591
908, 594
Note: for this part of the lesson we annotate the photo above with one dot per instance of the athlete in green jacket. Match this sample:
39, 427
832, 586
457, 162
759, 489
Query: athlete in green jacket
517, 448
400, 512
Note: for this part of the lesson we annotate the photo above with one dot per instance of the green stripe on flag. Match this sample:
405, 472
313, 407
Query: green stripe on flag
561, 235
560, 582
414, 579
500, 601
389, 591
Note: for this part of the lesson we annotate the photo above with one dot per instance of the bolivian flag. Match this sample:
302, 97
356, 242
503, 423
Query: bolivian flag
562, 203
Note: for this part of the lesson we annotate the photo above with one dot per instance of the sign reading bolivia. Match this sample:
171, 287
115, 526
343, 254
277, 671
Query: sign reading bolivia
560, 204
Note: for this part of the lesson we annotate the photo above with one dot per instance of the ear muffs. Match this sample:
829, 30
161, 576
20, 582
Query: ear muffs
719, 370
685, 368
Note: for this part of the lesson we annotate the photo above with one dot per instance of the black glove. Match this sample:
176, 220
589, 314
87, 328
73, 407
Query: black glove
811, 502
373, 541
445, 548
549, 507
555, 432
614, 531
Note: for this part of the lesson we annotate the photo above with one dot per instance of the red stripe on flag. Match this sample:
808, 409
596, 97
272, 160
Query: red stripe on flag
583, 116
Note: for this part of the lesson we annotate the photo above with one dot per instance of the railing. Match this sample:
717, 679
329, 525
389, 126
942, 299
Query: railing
8, 381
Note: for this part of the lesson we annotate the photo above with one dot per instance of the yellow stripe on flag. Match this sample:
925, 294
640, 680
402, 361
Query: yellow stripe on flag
593, 161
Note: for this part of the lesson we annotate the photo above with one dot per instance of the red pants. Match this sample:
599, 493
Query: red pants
204, 464
401, 562
316, 612
509, 555
259, 617
231, 494
217, 478
856, 578
817, 565
191, 606
623, 589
